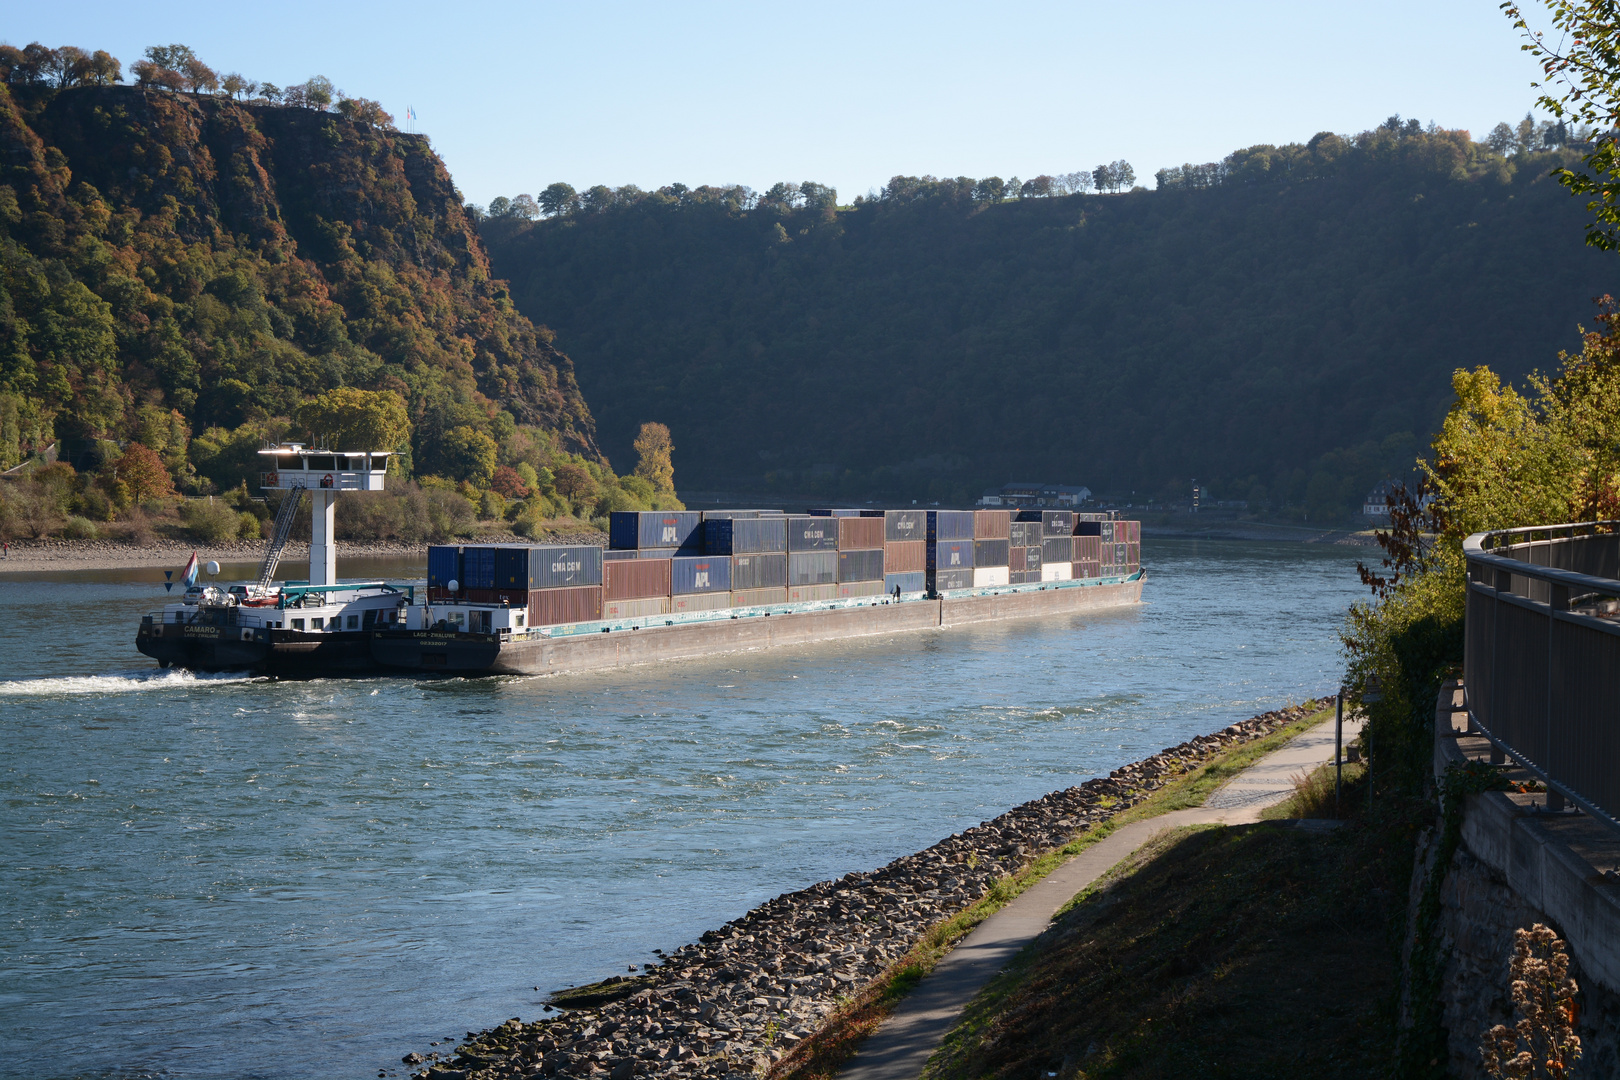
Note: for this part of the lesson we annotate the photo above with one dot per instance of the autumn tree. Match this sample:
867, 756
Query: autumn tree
350, 419
557, 199
465, 453
142, 470
572, 481
508, 482
654, 463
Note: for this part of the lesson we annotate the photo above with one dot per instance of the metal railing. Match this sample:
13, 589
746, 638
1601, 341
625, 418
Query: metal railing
1542, 656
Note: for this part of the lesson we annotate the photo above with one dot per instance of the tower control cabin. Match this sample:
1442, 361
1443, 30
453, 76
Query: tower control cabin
323, 473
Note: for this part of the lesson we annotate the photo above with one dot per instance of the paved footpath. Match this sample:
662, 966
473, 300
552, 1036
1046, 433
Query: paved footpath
901, 1047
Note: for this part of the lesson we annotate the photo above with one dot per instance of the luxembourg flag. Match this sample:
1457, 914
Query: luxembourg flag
189, 576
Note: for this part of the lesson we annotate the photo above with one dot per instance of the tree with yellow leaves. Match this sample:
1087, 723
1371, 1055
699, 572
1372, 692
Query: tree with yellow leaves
655, 465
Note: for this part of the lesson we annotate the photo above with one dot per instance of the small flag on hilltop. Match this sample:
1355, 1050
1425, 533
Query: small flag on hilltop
189, 576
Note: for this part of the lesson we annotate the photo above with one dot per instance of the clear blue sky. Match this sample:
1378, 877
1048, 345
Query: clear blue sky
518, 95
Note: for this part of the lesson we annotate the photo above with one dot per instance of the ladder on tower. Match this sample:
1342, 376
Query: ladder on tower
278, 538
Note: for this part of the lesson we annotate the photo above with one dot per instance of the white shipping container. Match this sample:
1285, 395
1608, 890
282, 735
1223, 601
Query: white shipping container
635, 609
1057, 572
699, 602
992, 575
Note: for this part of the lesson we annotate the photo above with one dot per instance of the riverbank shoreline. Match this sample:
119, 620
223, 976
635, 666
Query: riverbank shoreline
738, 1001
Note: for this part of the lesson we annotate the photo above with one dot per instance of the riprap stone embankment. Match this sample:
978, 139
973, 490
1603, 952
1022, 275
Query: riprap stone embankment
732, 1003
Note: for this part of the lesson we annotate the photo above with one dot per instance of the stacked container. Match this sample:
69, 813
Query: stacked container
905, 550
950, 550
699, 582
992, 542
633, 588
644, 530
444, 566
812, 545
757, 547
1057, 542
1024, 552
557, 582
860, 555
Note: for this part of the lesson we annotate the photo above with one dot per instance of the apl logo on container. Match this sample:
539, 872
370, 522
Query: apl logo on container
667, 537
700, 579
956, 557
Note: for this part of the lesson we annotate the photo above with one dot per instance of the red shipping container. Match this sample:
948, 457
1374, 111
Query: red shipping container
860, 533
992, 524
507, 597
904, 556
1017, 558
578, 603
635, 579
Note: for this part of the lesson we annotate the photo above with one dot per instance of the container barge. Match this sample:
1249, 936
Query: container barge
669, 584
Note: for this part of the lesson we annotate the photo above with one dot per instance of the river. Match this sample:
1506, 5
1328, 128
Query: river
232, 877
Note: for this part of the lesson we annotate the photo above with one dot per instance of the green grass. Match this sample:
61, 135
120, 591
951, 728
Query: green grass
821, 1055
1313, 796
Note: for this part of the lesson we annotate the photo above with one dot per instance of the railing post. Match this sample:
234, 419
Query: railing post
1503, 580
1338, 751
1557, 600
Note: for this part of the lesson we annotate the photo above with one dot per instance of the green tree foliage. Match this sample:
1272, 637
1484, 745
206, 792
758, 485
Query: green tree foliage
350, 419
1284, 332
465, 453
654, 451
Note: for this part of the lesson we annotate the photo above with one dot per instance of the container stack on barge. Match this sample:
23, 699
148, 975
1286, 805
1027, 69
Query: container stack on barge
669, 584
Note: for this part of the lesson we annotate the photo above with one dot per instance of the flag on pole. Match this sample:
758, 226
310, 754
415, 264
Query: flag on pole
190, 574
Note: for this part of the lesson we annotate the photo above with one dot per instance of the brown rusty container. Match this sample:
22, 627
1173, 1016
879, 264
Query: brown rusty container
577, 603
635, 579
860, 533
904, 556
992, 524
1016, 559
1087, 548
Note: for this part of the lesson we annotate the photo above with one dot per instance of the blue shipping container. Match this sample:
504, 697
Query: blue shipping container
950, 525
744, 536
812, 534
444, 565
690, 574
656, 529
478, 566
951, 554
944, 580
906, 583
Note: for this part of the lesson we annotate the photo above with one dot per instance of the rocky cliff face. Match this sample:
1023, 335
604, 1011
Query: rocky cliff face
228, 260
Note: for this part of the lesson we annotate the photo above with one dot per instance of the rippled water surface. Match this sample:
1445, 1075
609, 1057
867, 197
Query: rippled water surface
218, 876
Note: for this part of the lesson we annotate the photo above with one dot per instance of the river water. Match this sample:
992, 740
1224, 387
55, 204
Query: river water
231, 877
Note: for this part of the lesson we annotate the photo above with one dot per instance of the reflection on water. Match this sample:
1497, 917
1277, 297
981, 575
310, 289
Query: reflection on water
223, 876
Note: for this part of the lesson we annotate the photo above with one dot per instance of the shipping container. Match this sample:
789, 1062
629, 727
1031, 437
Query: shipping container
759, 571
990, 553
950, 525
1085, 568
984, 576
950, 555
839, 513
1107, 530
758, 597
498, 597
905, 556
444, 565
1057, 549
1057, 571
905, 525
713, 515
478, 567
860, 533
1133, 553
618, 554
713, 601
550, 607
992, 524
860, 565
1032, 557
1025, 577
851, 589
812, 568
812, 533
1015, 559
909, 582
945, 580
1136, 532
800, 594
1024, 533
656, 529
1088, 548
1053, 522
634, 579
744, 536
635, 609
547, 566
699, 574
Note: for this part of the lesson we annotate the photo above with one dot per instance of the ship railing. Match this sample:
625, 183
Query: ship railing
1541, 669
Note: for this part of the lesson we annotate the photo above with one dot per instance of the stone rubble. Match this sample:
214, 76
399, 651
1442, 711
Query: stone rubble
733, 1003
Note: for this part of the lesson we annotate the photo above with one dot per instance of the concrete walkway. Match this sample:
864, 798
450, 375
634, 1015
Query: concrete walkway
901, 1047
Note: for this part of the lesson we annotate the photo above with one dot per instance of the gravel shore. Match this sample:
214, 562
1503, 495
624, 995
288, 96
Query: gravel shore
733, 1003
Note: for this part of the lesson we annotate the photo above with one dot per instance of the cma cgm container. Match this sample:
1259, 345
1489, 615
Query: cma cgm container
656, 529
744, 536
758, 597
860, 533
946, 580
951, 555
812, 568
635, 609
950, 525
990, 553
444, 565
478, 567
759, 571
902, 524
634, 579
812, 534
549, 607
991, 524
699, 574
1024, 533
905, 556
984, 576
547, 566
915, 581
860, 565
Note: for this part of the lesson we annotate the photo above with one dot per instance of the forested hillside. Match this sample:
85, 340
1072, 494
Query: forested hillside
187, 268
1280, 326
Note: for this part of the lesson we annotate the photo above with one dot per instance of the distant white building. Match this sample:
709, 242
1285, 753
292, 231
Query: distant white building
1057, 496
1376, 504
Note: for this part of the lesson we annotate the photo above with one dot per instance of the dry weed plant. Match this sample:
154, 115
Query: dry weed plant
1544, 999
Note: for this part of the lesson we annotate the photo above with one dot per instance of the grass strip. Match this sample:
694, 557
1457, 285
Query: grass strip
824, 1053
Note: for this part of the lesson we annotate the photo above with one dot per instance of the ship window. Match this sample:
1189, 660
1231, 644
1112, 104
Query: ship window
354, 622
317, 623
298, 624
519, 618
323, 463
